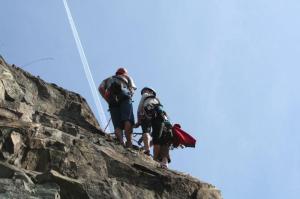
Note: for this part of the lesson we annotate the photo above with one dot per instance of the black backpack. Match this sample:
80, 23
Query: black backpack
117, 94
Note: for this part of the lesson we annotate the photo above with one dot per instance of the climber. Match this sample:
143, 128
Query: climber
151, 116
143, 121
118, 90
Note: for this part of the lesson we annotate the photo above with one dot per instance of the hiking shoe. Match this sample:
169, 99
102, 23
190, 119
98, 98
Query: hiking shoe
147, 153
116, 140
164, 165
128, 145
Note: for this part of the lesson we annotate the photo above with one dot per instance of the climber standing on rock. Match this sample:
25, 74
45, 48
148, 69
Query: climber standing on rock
118, 90
152, 116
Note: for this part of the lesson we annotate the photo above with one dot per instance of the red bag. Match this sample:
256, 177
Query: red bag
180, 137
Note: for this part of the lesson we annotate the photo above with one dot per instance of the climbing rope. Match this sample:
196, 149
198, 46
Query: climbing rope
107, 124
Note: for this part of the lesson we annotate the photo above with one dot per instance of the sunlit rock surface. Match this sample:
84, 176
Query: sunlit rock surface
51, 147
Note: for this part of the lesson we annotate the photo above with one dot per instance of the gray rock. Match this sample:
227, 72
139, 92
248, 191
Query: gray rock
51, 146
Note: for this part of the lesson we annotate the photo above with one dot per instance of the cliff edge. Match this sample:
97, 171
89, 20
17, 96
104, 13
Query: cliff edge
51, 146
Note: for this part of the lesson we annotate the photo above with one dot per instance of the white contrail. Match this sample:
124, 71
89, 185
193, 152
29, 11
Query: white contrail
86, 67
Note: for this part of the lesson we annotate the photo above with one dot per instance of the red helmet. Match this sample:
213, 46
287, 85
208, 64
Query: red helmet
121, 71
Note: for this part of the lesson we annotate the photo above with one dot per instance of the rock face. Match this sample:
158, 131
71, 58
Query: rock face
51, 147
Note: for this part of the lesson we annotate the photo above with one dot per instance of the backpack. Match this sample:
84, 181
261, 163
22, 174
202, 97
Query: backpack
152, 106
118, 89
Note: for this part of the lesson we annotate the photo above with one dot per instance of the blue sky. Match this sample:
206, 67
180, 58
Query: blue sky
228, 71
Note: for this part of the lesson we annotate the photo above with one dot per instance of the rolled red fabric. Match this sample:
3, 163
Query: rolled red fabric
180, 137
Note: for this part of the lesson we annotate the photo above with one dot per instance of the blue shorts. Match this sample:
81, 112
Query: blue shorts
121, 113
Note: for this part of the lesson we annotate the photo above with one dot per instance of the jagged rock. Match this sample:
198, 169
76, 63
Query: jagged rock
51, 146
15, 183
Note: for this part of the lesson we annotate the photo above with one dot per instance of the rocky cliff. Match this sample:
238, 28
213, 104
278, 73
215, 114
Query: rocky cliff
51, 146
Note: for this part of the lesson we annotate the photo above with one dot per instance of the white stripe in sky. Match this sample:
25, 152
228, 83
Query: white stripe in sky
86, 67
